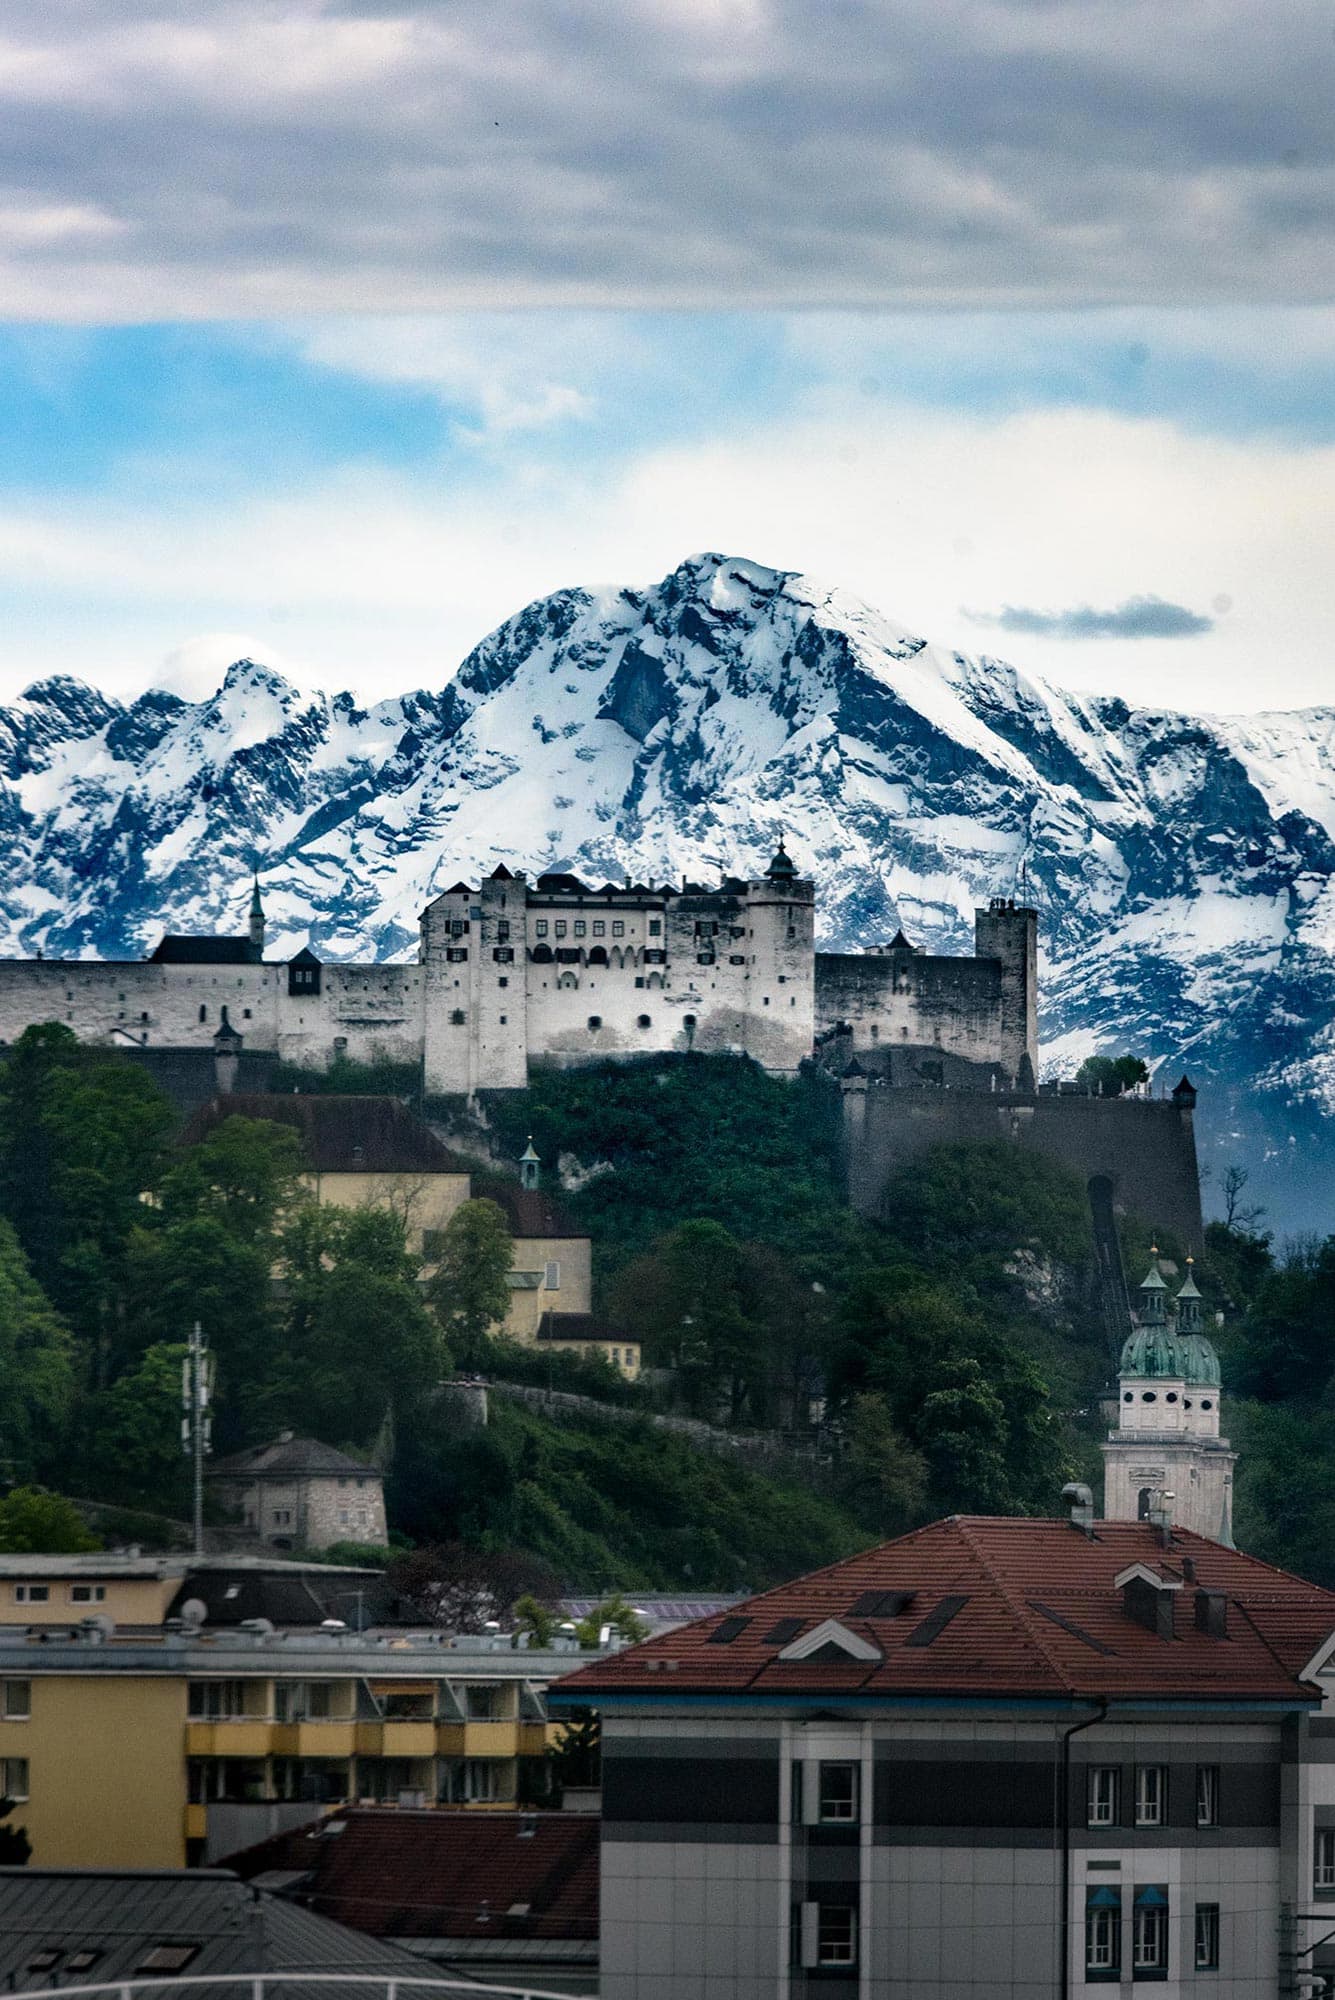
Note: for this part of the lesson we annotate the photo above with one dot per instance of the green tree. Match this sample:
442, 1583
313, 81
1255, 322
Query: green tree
247, 1175
15, 1846
133, 1431
699, 1300
469, 1290
357, 1344
37, 1366
1111, 1076
628, 1623
884, 1479
35, 1522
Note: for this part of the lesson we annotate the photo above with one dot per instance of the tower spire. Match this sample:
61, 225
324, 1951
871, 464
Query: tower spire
256, 925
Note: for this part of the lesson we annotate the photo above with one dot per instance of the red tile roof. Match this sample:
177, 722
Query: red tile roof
1038, 1616
531, 1212
434, 1874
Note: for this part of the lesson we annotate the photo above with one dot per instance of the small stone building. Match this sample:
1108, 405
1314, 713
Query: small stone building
299, 1494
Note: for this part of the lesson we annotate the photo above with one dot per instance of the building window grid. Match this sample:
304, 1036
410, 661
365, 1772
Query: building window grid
16, 1701
14, 1779
1104, 1788
1103, 1940
1207, 1937
836, 1934
1151, 1794
837, 1797
1323, 1859
1149, 1934
1207, 1795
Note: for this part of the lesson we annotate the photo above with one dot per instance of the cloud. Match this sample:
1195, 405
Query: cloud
1137, 618
275, 157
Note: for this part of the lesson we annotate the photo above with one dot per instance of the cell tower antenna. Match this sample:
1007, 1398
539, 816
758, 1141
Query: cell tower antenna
197, 1423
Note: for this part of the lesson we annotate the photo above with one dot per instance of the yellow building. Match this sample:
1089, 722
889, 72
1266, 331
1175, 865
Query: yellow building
363, 1152
161, 1745
551, 1277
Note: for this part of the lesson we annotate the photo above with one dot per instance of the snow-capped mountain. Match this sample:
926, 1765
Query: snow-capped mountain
1182, 864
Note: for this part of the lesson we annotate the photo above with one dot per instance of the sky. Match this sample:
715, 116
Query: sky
336, 332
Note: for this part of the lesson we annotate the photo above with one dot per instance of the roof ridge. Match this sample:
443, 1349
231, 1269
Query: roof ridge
1019, 1608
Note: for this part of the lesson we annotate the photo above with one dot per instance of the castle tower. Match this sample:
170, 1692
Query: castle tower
1008, 934
530, 1167
1167, 1439
256, 925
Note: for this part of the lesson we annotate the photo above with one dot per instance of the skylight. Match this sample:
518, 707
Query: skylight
881, 1603
786, 1629
935, 1623
730, 1629
1069, 1625
166, 1958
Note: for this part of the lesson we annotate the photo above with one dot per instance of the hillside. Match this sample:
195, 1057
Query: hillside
1181, 863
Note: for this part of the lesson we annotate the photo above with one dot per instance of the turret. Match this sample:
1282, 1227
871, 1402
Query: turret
530, 1166
256, 926
1010, 935
782, 868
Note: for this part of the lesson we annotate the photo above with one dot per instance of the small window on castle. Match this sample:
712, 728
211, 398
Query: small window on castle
1148, 1396
540, 927
505, 1018
1206, 1404
599, 929
245, 1014
457, 1017
618, 928
502, 982
580, 927
144, 1017
642, 1020
595, 1020
655, 927
560, 927
203, 1012
502, 933
1171, 1396
688, 1021
1129, 1396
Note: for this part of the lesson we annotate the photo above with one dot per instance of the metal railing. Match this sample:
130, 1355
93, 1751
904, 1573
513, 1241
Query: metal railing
260, 1985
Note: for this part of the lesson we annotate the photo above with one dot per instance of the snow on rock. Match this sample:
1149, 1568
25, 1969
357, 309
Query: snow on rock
1182, 864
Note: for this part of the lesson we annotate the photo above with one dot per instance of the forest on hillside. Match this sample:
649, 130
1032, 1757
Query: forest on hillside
952, 1354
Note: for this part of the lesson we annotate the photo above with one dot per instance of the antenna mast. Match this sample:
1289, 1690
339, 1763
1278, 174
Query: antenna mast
197, 1424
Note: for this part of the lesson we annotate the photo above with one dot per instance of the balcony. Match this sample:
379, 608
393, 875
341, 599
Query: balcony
491, 1739
395, 1739
228, 1739
314, 1739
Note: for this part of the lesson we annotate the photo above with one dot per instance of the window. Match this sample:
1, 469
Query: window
484, 1704
504, 955
1104, 1786
1103, 1932
838, 1793
503, 932
433, 1244
560, 927
836, 1934
14, 1778
82, 1961
540, 927
642, 1021
1151, 1794
655, 927
1207, 1937
1207, 1795
599, 927
457, 955
481, 1783
203, 1012
618, 928
32, 1593
282, 1517
1323, 1860
551, 1276
16, 1700
1149, 1933
580, 927
595, 1021
216, 1701
457, 1017
87, 1593
166, 1958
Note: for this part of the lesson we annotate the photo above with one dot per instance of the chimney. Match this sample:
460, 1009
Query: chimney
1081, 1502
1212, 1613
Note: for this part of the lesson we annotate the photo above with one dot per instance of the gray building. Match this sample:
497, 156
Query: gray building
1012, 1758
297, 1493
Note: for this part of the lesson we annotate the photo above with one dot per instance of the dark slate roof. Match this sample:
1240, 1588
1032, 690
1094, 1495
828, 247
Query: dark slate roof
178, 950
122, 1914
340, 1135
531, 1211
558, 884
578, 1326
982, 1607
287, 1600
444, 1874
290, 1457
305, 957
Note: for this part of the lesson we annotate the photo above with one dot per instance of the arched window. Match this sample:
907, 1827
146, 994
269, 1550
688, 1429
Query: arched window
567, 982
541, 954
643, 1021
598, 955
688, 1022
1143, 1503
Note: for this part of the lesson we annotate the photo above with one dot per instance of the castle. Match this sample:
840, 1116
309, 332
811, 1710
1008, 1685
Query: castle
513, 973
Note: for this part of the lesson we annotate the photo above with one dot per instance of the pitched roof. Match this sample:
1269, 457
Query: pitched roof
288, 1601
976, 1606
176, 949
340, 1135
289, 1457
578, 1326
444, 1874
121, 1914
531, 1211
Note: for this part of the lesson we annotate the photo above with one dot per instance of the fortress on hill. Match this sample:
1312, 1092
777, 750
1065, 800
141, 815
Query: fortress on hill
512, 973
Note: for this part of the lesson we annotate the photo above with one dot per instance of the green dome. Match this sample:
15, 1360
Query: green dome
1154, 1352
1200, 1362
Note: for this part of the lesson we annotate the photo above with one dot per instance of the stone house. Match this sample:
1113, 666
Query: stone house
299, 1494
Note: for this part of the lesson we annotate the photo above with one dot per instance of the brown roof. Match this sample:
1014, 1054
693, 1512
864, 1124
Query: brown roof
287, 1458
340, 1135
976, 1606
531, 1211
401, 1874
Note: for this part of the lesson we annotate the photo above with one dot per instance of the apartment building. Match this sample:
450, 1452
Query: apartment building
167, 1743
1018, 1759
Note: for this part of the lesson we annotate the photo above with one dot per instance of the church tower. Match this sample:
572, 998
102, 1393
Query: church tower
1167, 1440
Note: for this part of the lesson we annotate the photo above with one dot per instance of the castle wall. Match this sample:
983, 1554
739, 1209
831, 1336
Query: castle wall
905, 998
146, 1002
1145, 1147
